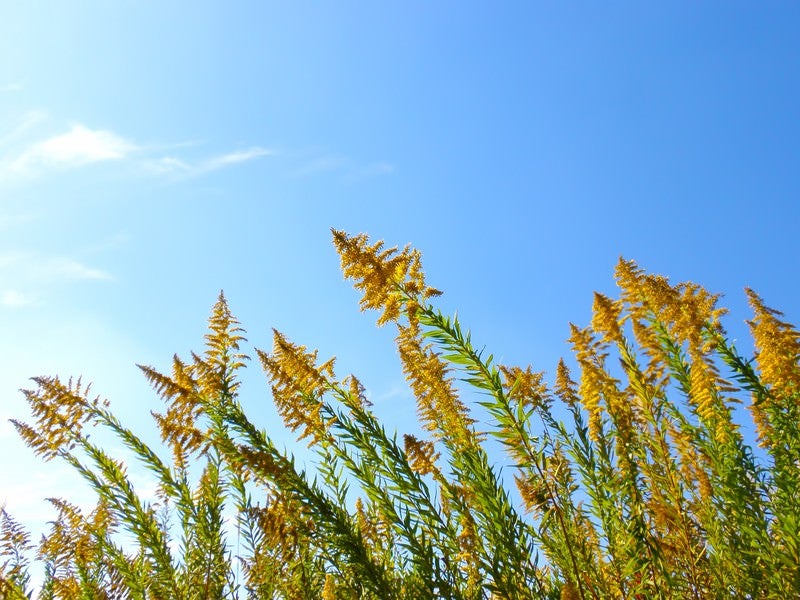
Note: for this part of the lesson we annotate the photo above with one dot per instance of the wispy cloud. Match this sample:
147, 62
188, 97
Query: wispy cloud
233, 158
172, 165
27, 157
12, 87
16, 299
167, 165
20, 126
347, 169
58, 267
11, 259
321, 164
24, 156
35, 268
28, 278
376, 169
78, 147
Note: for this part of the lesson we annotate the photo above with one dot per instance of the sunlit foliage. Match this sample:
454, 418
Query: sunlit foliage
633, 477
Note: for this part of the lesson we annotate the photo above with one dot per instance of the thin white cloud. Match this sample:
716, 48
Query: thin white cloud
16, 299
78, 147
347, 169
27, 268
24, 157
65, 268
21, 126
81, 146
321, 164
233, 158
373, 170
172, 165
12, 88
167, 165
10, 259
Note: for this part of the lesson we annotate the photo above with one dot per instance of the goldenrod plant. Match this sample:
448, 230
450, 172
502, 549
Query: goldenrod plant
633, 478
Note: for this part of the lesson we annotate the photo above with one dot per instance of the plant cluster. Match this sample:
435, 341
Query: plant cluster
632, 473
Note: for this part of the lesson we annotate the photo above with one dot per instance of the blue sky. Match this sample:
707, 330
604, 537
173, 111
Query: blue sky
152, 154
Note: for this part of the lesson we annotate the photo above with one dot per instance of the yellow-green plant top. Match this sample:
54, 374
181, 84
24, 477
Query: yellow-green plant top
629, 476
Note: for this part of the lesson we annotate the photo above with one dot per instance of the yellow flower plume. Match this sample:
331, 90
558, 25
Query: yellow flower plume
386, 277
297, 386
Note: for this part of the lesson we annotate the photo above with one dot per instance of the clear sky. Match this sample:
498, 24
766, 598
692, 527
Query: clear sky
153, 153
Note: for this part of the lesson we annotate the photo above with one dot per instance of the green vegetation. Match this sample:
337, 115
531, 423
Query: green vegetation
634, 478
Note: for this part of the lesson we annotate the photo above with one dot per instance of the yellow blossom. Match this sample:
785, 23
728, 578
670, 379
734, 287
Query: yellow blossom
356, 392
534, 493
590, 387
60, 410
606, 318
570, 592
693, 463
598, 387
329, 589
283, 522
565, 387
777, 345
438, 404
297, 386
386, 277
222, 357
777, 348
421, 454
257, 462
71, 546
686, 309
468, 549
179, 424
526, 386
